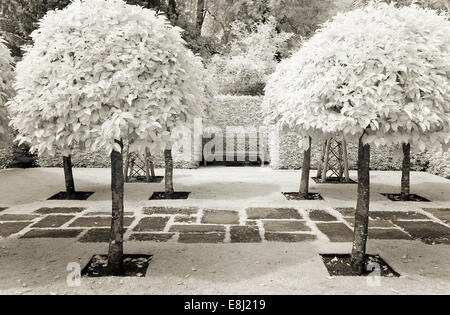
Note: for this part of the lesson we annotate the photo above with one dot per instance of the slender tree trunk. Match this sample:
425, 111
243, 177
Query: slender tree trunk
169, 173
200, 17
115, 252
325, 161
127, 163
362, 209
68, 176
304, 183
319, 167
406, 171
151, 164
345, 159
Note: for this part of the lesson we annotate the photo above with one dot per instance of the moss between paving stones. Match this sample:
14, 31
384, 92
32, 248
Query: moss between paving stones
53, 221
336, 232
9, 228
289, 237
201, 237
273, 213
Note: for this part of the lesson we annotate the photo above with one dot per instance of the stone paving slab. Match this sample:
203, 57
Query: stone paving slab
285, 226
346, 212
60, 210
183, 219
442, 214
53, 221
273, 213
9, 228
52, 233
289, 237
105, 213
170, 211
245, 234
397, 215
98, 222
373, 223
18, 217
336, 232
151, 237
97, 235
201, 238
388, 234
428, 232
151, 224
220, 217
321, 215
191, 228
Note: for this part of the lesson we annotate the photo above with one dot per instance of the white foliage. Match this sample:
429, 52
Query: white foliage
380, 70
100, 71
6, 77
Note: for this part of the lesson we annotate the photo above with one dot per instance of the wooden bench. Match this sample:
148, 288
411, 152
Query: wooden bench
240, 154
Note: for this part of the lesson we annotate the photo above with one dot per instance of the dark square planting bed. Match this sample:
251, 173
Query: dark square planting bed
79, 195
412, 197
333, 180
160, 195
339, 265
143, 179
2, 209
298, 196
133, 266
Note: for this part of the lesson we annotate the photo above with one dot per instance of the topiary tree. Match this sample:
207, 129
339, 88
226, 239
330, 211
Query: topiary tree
439, 5
6, 91
379, 74
101, 73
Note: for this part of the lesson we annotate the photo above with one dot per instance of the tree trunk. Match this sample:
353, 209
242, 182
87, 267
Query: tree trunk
200, 17
68, 177
345, 159
115, 252
362, 209
169, 173
304, 183
406, 171
127, 163
325, 162
151, 164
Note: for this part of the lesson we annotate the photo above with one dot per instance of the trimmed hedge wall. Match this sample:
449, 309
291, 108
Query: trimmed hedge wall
245, 111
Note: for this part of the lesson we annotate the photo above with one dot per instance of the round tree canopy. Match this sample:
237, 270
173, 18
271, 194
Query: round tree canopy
101, 71
379, 70
6, 77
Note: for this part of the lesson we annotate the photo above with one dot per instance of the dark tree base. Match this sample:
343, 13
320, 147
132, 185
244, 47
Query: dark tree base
333, 180
298, 196
2, 209
339, 265
179, 195
412, 197
133, 266
79, 195
143, 179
